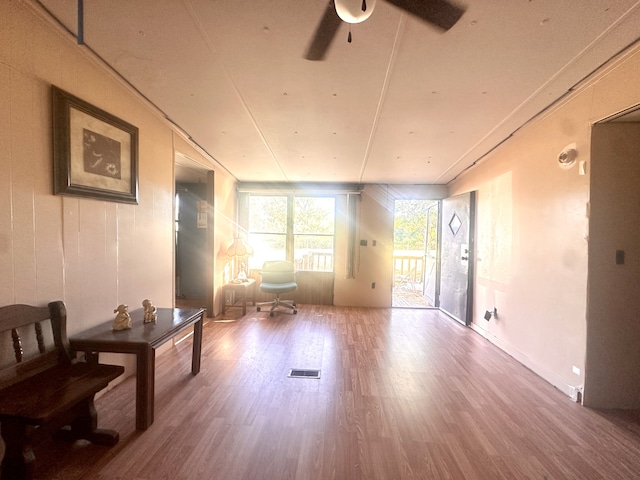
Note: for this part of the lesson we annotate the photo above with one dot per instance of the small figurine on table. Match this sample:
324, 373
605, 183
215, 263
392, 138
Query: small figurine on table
123, 319
150, 312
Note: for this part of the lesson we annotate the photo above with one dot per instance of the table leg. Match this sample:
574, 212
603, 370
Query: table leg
244, 301
145, 387
92, 358
197, 346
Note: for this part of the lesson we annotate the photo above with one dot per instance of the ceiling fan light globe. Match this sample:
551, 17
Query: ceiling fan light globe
350, 11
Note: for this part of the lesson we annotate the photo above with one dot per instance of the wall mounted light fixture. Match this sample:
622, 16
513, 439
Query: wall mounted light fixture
567, 157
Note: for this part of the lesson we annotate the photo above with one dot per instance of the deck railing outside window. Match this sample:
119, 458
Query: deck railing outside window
408, 270
314, 260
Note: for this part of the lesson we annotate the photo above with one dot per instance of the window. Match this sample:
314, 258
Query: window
267, 229
313, 231
301, 229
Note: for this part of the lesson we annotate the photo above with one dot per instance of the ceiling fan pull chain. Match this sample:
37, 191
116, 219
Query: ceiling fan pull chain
349, 36
364, 5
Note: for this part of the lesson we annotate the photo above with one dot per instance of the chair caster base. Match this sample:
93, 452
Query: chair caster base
273, 307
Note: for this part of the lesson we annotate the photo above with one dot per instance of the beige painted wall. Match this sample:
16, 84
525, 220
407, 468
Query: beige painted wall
373, 264
92, 254
532, 229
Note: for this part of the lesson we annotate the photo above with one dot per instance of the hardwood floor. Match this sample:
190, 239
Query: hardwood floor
404, 394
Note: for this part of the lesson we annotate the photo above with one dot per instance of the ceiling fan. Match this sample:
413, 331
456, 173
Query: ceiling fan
439, 13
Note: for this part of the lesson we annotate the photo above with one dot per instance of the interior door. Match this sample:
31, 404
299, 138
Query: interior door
457, 256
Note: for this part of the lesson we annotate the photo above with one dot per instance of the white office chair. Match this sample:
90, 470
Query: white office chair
278, 277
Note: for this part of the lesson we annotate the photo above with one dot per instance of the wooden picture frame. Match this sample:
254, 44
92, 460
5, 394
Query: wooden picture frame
95, 154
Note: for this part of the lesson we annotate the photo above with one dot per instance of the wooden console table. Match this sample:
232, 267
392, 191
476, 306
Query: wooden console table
243, 289
142, 340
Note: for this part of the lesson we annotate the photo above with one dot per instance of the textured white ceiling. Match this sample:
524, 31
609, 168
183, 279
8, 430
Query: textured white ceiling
402, 103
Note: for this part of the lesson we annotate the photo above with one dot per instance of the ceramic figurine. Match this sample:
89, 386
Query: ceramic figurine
123, 319
150, 312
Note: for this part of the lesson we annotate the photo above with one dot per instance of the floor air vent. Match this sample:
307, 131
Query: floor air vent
299, 373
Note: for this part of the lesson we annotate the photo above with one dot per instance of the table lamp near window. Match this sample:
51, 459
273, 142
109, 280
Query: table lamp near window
238, 252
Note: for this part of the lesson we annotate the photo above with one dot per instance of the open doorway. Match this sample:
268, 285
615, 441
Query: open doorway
415, 249
193, 223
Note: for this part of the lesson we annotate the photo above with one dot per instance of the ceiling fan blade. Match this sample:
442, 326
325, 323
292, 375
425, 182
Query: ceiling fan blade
325, 33
441, 13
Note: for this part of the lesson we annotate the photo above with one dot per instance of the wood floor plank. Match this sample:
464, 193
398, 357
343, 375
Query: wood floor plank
403, 394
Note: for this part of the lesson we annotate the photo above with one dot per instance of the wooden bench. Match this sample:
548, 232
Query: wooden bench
43, 389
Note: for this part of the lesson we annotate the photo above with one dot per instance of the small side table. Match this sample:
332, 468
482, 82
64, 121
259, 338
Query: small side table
243, 289
142, 340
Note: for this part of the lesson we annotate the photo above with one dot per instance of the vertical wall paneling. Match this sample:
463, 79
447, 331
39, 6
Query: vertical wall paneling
90, 253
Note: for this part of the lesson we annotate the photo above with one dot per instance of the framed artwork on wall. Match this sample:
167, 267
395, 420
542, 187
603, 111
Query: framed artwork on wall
95, 154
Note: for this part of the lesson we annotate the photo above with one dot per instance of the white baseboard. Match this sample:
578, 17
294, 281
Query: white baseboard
571, 391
